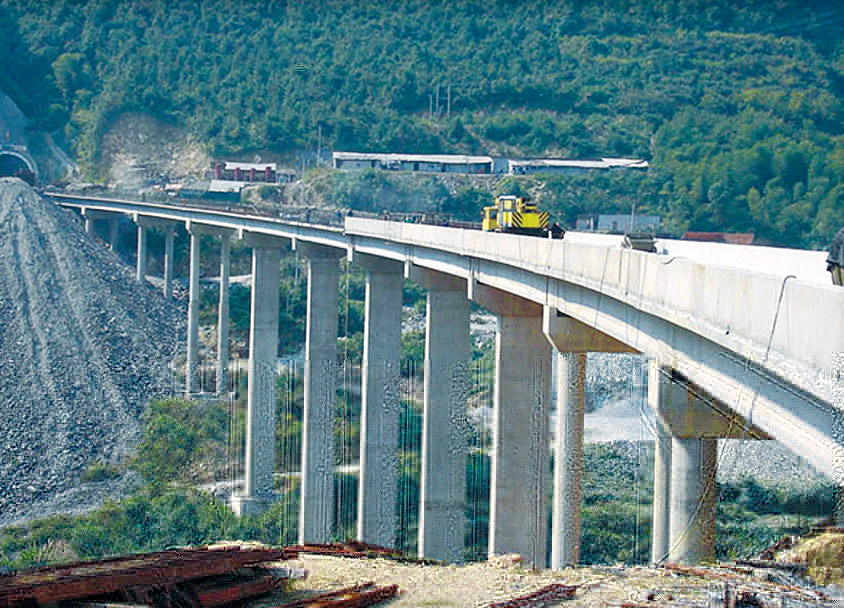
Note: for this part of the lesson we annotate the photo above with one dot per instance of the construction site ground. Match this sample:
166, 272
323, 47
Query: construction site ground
479, 584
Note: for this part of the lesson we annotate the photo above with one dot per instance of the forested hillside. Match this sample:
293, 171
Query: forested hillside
737, 106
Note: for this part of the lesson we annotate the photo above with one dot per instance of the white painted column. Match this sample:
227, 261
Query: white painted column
141, 265
223, 318
261, 406
568, 460
519, 478
316, 501
693, 500
442, 516
169, 238
661, 494
192, 355
380, 408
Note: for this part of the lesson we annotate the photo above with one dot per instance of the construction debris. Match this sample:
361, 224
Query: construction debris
542, 597
358, 549
357, 596
187, 578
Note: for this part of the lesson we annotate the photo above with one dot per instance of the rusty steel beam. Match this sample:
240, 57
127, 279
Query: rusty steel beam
548, 593
236, 591
91, 579
359, 596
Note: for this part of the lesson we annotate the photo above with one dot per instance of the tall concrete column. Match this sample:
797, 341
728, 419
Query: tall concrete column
572, 340
661, 494
263, 360
693, 499
522, 401
691, 421
568, 460
380, 408
192, 356
223, 318
316, 501
89, 223
442, 516
169, 238
113, 233
141, 265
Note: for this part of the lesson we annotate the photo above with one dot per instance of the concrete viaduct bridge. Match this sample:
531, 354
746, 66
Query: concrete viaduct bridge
742, 342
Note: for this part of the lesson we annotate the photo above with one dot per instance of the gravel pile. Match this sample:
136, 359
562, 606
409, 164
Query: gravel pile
83, 346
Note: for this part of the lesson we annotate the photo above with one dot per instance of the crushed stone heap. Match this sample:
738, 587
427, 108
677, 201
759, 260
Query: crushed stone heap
83, 347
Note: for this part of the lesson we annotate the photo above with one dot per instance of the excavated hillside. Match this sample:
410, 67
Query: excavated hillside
83, 347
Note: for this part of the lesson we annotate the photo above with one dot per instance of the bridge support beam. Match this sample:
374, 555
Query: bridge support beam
568, 460
661, 493
442, 516
380, 408
520, 468
192, 354
572, 340
113, 233
223, 318
263, 357
316, 501
689, 423
169, 243
141, 263
693, 500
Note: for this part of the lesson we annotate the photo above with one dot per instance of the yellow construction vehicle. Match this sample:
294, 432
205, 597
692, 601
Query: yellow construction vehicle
515, 214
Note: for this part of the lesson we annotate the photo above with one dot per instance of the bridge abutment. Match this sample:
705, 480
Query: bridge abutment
316, 501
442, 516
380, 403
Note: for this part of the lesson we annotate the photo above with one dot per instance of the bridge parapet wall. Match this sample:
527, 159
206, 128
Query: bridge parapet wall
789, 326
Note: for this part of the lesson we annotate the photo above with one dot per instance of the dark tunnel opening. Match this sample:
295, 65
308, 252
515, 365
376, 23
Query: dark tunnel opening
14, 166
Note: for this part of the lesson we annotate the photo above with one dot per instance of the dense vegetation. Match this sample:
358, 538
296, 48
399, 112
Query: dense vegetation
736, 105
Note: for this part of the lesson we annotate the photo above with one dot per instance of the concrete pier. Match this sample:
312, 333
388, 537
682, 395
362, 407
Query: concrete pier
192, 355
381, 406
693, 500
113, 233
316, 501
520, 467
568, 460
223, 318
169, 242
263, 357
141, 263
571, 340
442, 517
689, 423
661, 494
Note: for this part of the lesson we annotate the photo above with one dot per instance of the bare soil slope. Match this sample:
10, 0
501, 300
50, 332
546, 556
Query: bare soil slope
83, 346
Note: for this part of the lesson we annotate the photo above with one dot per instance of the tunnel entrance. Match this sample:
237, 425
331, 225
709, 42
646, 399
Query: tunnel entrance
12, 165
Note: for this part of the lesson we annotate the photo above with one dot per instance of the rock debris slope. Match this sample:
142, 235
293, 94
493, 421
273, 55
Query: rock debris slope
83, 346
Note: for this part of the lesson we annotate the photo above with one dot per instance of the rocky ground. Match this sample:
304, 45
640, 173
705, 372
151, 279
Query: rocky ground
501, 578
82, 348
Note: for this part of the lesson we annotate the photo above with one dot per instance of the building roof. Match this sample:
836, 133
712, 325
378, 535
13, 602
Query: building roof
422, 158
232, 165
604, 163
226, 185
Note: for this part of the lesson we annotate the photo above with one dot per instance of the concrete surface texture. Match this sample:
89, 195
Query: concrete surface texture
316, 502
380, 407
